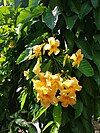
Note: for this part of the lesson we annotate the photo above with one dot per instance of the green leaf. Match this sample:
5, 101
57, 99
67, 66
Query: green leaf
5, 10
86, 68
70, 40
37, 11
57, 115
85, 9
50, 17
24, 14
73, 6
86, 48
33, 3
46, 66
78, 108
23, 98
97, 38
96, 58
24, 55
48, 124
39, 113
21, 122
70, 21
32, 129
54, 129
97, 18
95, 3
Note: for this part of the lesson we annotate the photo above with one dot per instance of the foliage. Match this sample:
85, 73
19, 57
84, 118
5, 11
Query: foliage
25, 24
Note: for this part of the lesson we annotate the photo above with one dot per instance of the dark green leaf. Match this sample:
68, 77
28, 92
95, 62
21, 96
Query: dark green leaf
78, 108
96, 58
32, 129
97, 18
54, 129
70, 21
24, 55
50, 17
73, 6
86, 68
85, 46
95, 3
85, 9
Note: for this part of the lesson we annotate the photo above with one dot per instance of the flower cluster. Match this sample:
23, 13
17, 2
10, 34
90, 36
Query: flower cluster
54, 88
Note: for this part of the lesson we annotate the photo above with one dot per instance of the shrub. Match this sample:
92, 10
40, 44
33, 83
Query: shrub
49, 65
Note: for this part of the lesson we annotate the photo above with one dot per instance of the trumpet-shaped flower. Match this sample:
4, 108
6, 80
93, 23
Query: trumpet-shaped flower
52, 46
77, 58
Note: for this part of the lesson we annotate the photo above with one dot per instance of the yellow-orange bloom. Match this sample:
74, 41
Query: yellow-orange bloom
36, 51
67, 99
67, 94
72, 85
52, 46
47, 87
77, 58
37, 68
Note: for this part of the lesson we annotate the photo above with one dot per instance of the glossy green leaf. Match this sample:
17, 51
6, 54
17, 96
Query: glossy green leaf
50, 17
85, 9
24, 55
97, 18
86, 68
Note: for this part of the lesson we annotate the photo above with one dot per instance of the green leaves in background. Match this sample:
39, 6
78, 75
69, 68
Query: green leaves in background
86, 68
97, 18
78, 108
85, 9
70, 21
95, 3
24, 55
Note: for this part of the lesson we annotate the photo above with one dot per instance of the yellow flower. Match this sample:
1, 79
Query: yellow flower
52, 46
77, 58
66, 99
71, 85
26, 74
47, 87
37, 68
36, 51
67, 93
